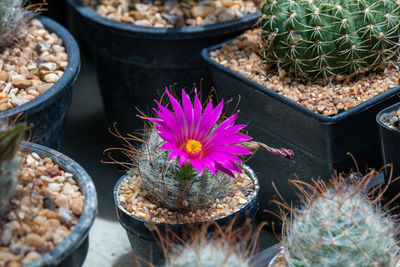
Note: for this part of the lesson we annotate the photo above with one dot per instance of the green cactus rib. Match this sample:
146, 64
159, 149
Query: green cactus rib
341, 228
10, 139
322, 38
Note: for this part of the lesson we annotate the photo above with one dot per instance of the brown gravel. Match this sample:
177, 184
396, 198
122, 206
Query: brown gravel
133, 199
172, 13
30, 67
46, 208
243, 56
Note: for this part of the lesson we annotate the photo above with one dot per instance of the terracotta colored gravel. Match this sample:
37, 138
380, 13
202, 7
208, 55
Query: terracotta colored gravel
243, 56
45, 209
31, 66
133, 199
172, 13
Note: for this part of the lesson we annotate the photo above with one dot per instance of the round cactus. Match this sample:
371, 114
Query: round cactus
10, 138
208, 254
321, 38
176, 187
12, 16
340, 226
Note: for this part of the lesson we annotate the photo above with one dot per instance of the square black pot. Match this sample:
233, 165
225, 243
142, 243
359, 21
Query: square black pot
320, 143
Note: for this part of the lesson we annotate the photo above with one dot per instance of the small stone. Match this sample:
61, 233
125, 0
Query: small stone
22, 83
35, 240
177, 21
7, 256
201, 11
4, 76
228, 14
142, 8
6, 236
64, 217
42, 46
77, 206
210, 19
51, 78
16, 101
31, 256
49, 66
54, 187
143, 22
49, 203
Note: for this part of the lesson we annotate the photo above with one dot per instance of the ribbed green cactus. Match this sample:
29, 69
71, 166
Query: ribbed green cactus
340, 227
323, 38
174, 187
10, 139
12, 16
208, 254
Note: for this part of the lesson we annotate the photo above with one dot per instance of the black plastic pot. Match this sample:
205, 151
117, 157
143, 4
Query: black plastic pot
390, 145
266, 256
320, 143
134, 62
73, 250
140, 232
47, 111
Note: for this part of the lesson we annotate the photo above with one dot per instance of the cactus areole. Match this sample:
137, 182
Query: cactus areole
320, 39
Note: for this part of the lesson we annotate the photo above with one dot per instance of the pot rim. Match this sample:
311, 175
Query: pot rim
69, 77
387, 110
78, 235
205, 54
165, 33
246, 169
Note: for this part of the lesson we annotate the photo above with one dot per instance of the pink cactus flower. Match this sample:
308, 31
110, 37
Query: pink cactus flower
194, 136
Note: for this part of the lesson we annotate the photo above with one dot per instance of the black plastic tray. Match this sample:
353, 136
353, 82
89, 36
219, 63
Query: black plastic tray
320, 142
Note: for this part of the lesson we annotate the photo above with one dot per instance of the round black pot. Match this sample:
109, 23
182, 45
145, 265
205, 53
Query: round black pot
134, 62
73, 250
265, 257
140, 232
390, 144
47, 111
320, 143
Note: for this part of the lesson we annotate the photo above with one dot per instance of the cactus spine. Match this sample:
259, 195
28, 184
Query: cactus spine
174, 187
13, 16
10, 139
208, 254
320, 38
341, 227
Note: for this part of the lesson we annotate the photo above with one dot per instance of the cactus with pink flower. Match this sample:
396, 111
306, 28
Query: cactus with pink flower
191, 156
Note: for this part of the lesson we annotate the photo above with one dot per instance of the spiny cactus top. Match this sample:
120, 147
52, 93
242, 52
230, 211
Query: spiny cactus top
193, 136
323, 38
12, 16
208, 255
341, 227
10, 138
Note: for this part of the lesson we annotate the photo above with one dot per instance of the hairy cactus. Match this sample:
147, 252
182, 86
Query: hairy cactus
319, 38
230, 246
174, 187
208, 254
340, 226
12, 17
10, 138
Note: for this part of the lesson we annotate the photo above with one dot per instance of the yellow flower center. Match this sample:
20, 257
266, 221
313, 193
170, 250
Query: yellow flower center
193, 146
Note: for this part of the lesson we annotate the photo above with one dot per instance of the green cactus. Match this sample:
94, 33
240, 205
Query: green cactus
10, 139
12, 16
340, 227
174, 187
321, 38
